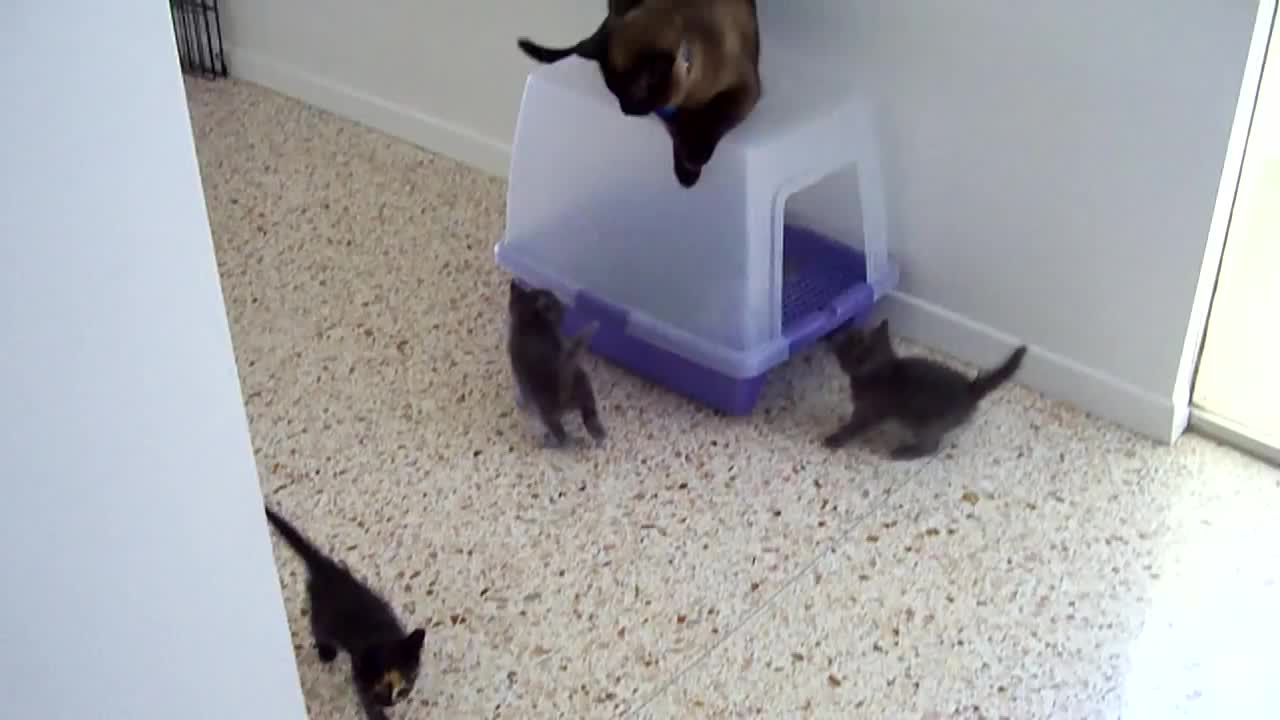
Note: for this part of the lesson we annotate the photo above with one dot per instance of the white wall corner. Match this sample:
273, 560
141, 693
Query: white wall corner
484, 154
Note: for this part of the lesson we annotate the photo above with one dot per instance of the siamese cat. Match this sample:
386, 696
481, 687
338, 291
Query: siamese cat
927, 397
694, 63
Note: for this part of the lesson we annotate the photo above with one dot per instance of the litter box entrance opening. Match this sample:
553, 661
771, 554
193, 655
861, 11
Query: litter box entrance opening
823, 265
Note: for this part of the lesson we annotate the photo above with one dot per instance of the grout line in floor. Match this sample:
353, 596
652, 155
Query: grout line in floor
829, 548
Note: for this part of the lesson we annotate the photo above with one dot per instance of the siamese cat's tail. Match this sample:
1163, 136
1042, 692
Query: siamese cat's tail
992, 379
300, 544
590, 47
542, 53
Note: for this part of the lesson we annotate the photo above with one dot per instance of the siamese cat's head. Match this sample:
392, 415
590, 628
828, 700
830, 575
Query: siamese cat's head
642, 56
387, 672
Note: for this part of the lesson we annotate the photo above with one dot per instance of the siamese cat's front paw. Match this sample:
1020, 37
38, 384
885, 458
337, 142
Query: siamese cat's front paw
688, 175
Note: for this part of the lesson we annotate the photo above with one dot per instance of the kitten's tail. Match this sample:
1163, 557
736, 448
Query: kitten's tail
300, 544
992, 379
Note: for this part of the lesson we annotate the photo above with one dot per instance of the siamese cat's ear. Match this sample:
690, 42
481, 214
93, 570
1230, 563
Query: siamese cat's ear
618, 8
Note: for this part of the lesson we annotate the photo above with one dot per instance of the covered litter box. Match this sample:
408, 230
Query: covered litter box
705, 289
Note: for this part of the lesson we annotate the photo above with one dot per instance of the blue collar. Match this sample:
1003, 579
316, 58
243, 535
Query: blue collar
685, 58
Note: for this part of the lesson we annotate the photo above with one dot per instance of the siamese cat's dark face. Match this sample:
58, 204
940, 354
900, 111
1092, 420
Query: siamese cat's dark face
640, 80
635, 56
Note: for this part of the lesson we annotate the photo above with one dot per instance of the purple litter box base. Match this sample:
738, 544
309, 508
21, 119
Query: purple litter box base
733, 396
824, 287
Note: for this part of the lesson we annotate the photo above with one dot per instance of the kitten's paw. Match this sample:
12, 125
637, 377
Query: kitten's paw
597, 432
909, 452
328, 653
834, 441
553, 441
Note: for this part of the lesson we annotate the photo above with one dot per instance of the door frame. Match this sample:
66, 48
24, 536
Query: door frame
1200, 420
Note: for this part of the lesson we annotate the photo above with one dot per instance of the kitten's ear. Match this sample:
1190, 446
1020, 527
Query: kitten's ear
411, 646
516, 290
882, 330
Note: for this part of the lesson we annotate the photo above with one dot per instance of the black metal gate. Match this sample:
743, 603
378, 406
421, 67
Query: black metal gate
198, 29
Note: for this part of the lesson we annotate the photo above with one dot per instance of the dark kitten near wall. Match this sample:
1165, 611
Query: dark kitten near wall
347, 615
929, 398
546, 364
693, 62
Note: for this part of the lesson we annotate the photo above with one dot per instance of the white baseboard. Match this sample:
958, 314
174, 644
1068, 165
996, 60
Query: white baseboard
930, 325
1234, 434
1056, 376
433, 133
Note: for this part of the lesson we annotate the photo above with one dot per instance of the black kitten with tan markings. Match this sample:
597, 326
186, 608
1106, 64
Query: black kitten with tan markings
546, 364
928, 398
347, 615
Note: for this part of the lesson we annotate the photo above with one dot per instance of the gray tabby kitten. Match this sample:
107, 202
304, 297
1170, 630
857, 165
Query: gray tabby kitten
546, 364
928, 398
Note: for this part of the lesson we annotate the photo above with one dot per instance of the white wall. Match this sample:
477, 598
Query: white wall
135, 563
443, 73
1052, 167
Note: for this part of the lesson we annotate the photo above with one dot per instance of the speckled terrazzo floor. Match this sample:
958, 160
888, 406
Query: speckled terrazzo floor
1046, 566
